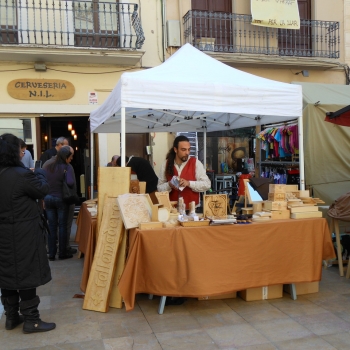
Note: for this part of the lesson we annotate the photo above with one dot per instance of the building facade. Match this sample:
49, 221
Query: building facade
59, 60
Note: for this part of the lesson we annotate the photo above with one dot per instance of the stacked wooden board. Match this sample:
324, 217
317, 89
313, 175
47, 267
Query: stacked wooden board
287, 201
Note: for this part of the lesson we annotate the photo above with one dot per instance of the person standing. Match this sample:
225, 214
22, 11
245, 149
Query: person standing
23, 261
51, 152
144, 172
56, 208
71, 207
26, 157
190, 172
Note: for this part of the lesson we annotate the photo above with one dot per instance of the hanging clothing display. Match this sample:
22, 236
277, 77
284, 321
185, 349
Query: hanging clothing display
281, 142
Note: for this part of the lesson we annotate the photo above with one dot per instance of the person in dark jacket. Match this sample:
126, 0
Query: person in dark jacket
56, 208
51, 152
23, 261
144, 172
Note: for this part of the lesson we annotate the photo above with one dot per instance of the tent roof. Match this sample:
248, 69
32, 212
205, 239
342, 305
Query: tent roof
325, 94
193, 92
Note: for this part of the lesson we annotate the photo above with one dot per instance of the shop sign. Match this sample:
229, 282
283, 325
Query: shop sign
276, 13
41, 89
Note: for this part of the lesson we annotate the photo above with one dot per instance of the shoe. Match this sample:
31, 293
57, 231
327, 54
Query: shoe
67, 256
174, 301
51, 258
11, 306
71, 250
32, 321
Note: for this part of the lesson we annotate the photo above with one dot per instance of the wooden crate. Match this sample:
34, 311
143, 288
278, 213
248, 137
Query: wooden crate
274, 205
280, 214
303, 208
262, 293
276, 196
277, 188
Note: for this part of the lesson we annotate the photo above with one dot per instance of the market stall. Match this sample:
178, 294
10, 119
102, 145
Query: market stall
192, 91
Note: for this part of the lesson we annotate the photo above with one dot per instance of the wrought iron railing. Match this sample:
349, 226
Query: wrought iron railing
234, 33
90, 23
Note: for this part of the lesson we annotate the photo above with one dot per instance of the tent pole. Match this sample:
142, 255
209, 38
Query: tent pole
205, 149
122, 135
301, 153
91, 165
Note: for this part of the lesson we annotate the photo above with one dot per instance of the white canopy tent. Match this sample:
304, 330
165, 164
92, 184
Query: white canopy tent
192, 91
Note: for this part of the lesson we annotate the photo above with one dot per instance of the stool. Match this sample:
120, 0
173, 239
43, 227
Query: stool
223, 181
334, 225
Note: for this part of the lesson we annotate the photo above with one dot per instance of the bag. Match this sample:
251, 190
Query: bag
69, 195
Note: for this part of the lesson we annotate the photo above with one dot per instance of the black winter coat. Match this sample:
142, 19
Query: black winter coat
23, 260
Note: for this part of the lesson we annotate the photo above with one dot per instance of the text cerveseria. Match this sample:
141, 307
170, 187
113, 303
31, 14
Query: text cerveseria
32, 85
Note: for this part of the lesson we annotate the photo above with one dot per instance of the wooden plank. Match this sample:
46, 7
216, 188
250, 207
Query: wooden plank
115, 299
142, 185
315, 214
112, 181
304, 208
103, 266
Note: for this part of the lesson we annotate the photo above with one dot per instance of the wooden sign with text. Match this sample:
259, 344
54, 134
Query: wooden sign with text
41, 89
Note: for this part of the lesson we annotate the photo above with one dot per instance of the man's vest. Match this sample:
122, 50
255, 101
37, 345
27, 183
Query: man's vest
187, 173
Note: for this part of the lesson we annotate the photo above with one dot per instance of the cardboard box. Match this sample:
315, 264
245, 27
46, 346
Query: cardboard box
278, 205
280, 214
262, 293
303, 288
277, 188
275, 196
306, 215
219, 297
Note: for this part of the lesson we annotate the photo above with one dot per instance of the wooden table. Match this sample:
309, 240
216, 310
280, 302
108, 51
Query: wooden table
212, 260
86, 239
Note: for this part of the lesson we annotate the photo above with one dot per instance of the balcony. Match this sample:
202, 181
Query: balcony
70, 31
232, 38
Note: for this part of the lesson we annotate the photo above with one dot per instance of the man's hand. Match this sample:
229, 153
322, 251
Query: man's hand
184, 183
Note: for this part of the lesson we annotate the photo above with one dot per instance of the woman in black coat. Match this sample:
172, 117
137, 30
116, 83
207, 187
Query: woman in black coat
23, 260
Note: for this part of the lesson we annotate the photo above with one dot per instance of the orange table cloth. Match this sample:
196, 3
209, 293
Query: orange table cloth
211, 260
86, 239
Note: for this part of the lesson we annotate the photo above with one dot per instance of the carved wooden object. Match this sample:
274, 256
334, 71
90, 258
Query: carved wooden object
103, 266
135, 208
112, 181
215, 205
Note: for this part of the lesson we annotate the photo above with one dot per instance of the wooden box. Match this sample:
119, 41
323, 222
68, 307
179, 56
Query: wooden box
219, 297
304, 193
292, 188
303, 288
262, 293
278, 205
277, 188
276, 196
306, 215
214, 205
280, 214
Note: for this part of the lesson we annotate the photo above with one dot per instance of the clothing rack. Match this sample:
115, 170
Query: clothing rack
268, 126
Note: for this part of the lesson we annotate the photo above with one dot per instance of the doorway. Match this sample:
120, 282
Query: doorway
211, 29
293, 42
53, 128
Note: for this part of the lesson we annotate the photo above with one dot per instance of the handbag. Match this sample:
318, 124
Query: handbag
69, 194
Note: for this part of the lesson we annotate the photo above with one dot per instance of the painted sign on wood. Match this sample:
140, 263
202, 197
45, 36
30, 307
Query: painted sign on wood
41, 89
